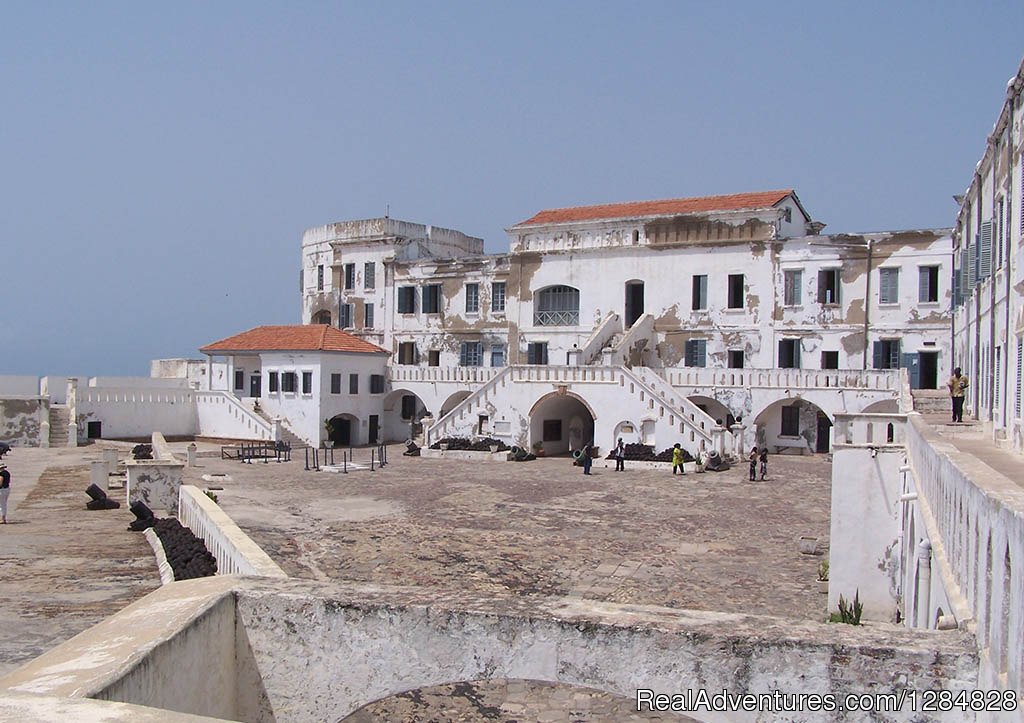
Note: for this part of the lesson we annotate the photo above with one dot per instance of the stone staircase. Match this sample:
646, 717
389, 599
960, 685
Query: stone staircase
932, 401
287, 435
60, 415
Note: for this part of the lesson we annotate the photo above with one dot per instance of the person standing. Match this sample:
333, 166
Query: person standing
764, 461
753, 464
677, 459
5, 491
957, 384
588, 458
620, 456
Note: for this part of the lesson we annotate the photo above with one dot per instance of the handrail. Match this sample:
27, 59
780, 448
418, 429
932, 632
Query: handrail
642, 327
236, 404
591, 348
871, 379
696, 412
666, 390
429, 434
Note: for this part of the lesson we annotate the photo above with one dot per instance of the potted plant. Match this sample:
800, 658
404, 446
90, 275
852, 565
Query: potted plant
538, 449
823, 577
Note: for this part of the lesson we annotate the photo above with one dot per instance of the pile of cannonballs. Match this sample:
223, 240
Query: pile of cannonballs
186, 553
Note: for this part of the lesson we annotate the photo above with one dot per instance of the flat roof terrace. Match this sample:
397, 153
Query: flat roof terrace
711, 541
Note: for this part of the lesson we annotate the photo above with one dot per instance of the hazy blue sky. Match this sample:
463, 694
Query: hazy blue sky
160, 162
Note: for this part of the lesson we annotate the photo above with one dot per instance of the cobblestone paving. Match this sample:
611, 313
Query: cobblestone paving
712, 541
517, 701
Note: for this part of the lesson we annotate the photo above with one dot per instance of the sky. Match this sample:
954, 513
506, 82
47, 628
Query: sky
159, 161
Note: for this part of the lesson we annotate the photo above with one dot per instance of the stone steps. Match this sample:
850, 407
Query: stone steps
59, 418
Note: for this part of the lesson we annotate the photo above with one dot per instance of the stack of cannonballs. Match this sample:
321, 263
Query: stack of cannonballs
186, 553
480, 444
142, 451
645, 453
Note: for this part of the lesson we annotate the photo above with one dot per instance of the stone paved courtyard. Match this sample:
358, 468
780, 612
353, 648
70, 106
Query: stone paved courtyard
712, 541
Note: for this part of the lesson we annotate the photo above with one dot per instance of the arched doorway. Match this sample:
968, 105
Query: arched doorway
451, 402
322, 317
343, 430
403, 411
714, 409
562, 422
794, 426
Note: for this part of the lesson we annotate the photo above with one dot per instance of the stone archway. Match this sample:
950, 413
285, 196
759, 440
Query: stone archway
321, 317
562, 422
403, 411
793, 426
343, 430
714, 409
451, 402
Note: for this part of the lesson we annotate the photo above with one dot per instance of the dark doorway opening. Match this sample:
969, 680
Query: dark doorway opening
374, 428
929, 369
94, 430
634, 301
341, 432
821, 441
255, 385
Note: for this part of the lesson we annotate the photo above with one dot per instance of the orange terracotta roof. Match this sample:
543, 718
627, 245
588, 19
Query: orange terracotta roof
733, 202
298, 337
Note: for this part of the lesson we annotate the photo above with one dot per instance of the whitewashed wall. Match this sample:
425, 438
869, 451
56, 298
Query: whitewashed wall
136, 412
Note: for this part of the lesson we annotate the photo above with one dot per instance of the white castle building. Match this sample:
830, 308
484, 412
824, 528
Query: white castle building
988, 243
661, 321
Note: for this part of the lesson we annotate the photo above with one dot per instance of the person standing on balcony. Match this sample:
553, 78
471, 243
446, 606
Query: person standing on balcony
620, 456
957, 384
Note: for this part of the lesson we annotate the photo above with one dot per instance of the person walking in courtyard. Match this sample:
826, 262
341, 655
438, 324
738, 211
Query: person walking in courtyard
677, 459
764, 461
5, 491
957, 384
753, 464
620, 456
588, 458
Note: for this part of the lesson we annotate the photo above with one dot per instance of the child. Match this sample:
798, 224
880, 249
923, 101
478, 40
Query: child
677, 459
764, 461
753, 464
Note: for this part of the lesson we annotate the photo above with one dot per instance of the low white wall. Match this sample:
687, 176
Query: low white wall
154, 482
979, 520
21, 420
139, 382
235, 551
136, 412
218, 414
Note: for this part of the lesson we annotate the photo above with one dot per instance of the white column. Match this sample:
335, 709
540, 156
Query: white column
924, 584
72, 412
209, 372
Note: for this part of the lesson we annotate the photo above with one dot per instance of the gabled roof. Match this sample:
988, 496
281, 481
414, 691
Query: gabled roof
297, 337
669, 207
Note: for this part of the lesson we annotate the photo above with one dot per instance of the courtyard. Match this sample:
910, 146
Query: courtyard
711, 541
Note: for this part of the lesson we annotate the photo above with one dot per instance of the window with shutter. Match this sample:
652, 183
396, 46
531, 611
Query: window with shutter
999, 234
789, 354
470, 354
369, 275
985, 251
889, 286
996, 367
792, 287
696, 352
972, 268
928, 284
537, 352
1020, 356
406, 299
700, 292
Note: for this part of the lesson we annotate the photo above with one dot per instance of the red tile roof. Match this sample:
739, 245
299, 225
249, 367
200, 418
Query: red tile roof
634, 209
298, 337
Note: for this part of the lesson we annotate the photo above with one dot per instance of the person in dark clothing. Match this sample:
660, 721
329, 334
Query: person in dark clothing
588, 459
764, 461
620, 456
957, 391
753, 464
5, 490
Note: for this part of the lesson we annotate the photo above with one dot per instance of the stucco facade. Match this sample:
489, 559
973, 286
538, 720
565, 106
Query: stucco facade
988, 244
745, 281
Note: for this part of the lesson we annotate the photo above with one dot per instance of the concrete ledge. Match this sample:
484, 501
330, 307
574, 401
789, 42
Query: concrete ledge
236, 553
166, 572
428, 453
299, 650
49, 709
